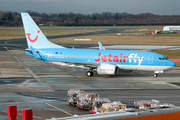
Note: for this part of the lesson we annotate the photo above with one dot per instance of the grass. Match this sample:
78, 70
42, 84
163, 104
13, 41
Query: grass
11, 34
65, 32
132, 36
47, 27
138, 36
171, 54
122, 40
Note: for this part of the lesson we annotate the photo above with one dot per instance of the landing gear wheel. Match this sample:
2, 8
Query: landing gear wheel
155, 75
90, 107
89, 73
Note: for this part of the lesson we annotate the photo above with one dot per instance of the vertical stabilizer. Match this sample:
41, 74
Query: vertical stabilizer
34, 35
101, 47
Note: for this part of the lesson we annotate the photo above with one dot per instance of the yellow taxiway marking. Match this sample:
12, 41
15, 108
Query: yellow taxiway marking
59, 109
21, 115
73, 70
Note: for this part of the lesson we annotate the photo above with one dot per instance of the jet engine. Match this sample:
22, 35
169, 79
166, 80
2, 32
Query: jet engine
107, 69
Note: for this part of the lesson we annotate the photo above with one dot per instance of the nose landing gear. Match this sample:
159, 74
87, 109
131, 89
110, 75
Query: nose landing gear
155, 73
89, 73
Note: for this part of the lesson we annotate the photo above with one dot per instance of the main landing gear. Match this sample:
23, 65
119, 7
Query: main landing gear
155, 75
89, 73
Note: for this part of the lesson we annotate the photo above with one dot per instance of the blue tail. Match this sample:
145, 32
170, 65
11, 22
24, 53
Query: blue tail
34, 35
101, 47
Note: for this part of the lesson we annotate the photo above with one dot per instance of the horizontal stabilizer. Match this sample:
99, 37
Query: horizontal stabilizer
35, 53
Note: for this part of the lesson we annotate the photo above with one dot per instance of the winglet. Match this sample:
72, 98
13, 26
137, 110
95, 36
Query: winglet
35, 53
101, 47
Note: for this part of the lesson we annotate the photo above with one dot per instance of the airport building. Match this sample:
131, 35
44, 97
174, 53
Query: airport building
171, 28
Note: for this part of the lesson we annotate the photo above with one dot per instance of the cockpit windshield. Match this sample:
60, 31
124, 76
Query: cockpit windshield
163, 58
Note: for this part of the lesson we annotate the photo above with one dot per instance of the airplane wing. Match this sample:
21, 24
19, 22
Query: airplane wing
86, 65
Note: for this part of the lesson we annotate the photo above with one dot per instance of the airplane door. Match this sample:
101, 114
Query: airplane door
49, 55
150, 59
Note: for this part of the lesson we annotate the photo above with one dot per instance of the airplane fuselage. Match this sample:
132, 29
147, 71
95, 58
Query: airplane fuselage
124, 59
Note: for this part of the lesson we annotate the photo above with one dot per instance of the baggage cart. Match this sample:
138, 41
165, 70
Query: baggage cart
72, 95
85, 100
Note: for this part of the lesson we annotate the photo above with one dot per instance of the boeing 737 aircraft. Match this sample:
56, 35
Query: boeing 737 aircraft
104, 62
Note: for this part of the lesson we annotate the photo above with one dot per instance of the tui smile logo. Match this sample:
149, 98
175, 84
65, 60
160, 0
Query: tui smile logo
35, 55
28, 34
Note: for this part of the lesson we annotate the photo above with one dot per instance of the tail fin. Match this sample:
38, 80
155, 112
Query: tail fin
101, 47
34, 35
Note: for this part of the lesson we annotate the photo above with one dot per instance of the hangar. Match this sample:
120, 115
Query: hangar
171, 28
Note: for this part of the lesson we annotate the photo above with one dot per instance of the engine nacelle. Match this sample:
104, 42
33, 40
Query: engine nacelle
107, 69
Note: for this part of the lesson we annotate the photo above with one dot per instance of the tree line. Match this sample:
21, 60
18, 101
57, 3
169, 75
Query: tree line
95, 19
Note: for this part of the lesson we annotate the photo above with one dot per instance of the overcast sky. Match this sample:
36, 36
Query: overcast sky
160, 7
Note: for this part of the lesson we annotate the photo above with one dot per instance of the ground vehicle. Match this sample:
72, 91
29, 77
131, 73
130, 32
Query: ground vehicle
97, 104
141, 104
85, 99
72, 94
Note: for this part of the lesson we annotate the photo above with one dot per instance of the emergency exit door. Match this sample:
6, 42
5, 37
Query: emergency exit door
150, 59
49, 55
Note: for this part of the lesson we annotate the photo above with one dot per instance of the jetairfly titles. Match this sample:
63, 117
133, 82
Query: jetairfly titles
102, 61
121, 58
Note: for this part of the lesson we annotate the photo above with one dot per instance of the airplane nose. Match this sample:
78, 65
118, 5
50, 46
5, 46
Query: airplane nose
171, 63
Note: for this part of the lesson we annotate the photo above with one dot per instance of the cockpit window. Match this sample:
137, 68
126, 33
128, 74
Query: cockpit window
163, 58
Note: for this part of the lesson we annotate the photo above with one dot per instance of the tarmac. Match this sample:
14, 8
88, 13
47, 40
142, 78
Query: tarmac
140, 47
42, 87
